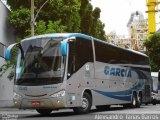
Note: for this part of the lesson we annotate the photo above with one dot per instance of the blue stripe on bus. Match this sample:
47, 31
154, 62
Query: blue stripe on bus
115, 96
126, 94
121, 95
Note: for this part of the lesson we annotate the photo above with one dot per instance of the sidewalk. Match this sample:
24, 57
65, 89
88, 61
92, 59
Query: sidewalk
9, 109
6, 104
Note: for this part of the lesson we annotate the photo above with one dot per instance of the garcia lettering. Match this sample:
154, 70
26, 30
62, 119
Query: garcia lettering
119, 72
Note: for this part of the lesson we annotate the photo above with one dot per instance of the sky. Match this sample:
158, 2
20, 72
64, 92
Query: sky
116, 13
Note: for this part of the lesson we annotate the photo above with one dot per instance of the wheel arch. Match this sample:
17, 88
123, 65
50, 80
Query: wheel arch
133, 92
87, 91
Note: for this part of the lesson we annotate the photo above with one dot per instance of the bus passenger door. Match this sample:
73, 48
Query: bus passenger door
80, 66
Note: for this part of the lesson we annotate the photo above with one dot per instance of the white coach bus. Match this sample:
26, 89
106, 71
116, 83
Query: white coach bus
73, 70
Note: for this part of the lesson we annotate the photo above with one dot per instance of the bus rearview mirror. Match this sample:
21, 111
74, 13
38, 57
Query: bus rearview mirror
8, 51
64, 48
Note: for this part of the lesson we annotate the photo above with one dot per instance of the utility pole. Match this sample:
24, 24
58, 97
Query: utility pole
32, 17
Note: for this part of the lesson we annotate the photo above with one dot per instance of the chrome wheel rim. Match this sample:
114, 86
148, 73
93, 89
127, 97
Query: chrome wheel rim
84, 103
134, 101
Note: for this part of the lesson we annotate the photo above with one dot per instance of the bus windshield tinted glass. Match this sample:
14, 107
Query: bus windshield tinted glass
42, 63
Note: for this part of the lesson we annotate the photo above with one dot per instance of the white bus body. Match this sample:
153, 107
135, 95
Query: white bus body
57, 71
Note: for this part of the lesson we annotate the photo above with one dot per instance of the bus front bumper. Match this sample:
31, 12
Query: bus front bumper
37, 103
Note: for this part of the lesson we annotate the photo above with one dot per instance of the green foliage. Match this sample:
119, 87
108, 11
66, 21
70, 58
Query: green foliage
57, 16
41, 27
52, 27
86, 17
5, 67
153, 51
20, 18
90, 22
100, 33
11, 75
10, 64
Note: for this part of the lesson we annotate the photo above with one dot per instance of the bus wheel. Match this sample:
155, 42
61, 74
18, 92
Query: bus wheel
126, 105
44, 111
134, 100
154, 102
103, 107
146, 103
139, 100
86, 104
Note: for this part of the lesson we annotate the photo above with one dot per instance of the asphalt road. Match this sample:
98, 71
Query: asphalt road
149, 112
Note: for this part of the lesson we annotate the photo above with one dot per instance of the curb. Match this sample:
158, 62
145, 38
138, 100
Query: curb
9, 109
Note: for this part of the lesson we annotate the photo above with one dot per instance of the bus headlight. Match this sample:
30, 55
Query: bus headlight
16, 96
59, 94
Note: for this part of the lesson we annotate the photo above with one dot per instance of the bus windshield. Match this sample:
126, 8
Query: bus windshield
40, 62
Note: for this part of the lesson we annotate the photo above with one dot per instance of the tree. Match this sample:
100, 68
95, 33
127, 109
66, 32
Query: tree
90, 23
62, 15
97, 25
86, 16
96, 16
20, 18
100, 33
152, 45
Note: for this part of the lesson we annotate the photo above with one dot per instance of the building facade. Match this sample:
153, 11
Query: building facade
7, 37
138, 30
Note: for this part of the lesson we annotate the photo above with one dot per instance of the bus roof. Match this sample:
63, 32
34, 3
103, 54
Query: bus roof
57, 35
69, 35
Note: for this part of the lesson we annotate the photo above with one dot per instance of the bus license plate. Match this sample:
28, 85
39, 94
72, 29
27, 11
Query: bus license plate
35, 103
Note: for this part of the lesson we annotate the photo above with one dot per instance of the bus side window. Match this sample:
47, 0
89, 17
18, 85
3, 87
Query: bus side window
71, 59
83, 53
80, 53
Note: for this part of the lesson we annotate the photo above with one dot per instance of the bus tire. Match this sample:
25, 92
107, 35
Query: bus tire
126, 105
86, 104
139, 100
134, 101
146, 103
154, 102
103, 107
44, 111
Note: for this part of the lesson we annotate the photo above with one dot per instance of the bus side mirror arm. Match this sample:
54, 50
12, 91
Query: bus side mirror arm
9, 48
